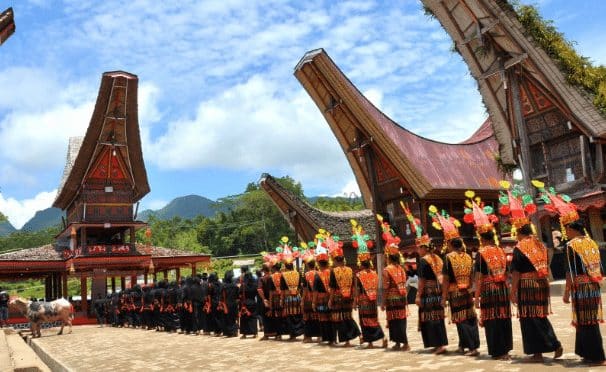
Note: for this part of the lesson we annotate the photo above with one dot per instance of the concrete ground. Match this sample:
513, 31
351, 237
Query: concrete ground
114, 349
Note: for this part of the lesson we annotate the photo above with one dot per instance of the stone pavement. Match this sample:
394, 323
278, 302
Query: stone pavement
115, 349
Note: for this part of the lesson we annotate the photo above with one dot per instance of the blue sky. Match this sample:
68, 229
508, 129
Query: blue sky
218, 102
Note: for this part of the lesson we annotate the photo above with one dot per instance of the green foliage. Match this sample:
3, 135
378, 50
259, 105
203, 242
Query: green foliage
28, 239
578, 69
339, 204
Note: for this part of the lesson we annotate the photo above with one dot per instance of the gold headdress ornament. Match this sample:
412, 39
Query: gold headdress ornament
309, 253
415, 226
392, 241
361, 241
517, 205
480, 215
558, 203
444, 222
321, 251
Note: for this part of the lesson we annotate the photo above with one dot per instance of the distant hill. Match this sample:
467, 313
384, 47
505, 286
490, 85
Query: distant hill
6, 228
186, 207
43, 219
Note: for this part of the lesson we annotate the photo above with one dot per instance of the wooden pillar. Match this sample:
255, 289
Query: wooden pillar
122, 283
83, 294
113, 284
145, 277
193, 269
47, 288
133, 280
64, 284
83, 245
132, 238
165, 274
155, 276
595, 224
178, 274
57, 285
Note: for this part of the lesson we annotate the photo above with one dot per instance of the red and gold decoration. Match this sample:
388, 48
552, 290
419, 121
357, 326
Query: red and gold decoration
559, 204
415, 226
516, 204
480, 215
444, 222
361, 241
286, 253
392, 241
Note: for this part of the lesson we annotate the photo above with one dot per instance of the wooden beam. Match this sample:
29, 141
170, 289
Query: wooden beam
83, 295
475, 34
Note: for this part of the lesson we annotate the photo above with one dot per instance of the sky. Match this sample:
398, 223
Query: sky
218, 102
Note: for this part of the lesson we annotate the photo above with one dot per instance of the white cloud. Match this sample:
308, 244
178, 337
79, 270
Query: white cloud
21, 211
350, 189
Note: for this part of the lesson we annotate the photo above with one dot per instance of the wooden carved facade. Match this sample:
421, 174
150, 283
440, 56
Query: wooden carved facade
545, 126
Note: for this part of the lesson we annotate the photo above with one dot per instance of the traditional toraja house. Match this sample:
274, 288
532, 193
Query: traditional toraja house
306, 220
7, 24
103, 181
392, 164
548, 128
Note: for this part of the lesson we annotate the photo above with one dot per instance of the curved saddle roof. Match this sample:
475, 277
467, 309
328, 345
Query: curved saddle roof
430, 168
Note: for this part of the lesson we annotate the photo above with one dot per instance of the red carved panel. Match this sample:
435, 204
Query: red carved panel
108, 166
117, 103
539, 99
527, 108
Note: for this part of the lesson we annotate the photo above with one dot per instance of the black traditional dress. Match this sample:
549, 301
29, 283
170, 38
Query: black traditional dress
341, 284
248, 305
291, 283
431, 311
263, 287
495, 305
321, 294
586, 272
276, 308
457, 270
394, 291
310, 317
216, 313
230, 294
368, 283
533, 297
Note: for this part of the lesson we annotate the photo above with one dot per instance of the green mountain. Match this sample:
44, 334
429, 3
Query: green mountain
6, 228
43, 219
186, 207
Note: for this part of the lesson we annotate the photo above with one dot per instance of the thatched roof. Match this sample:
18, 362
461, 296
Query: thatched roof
115, 114
432, 169
490, 38
306, 220
7, 24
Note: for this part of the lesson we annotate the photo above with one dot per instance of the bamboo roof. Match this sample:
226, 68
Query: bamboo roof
491, 40
306, 220
114, 122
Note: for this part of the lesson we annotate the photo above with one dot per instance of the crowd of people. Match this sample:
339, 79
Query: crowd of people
318, 301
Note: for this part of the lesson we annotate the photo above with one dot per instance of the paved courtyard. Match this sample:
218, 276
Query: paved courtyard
113, 349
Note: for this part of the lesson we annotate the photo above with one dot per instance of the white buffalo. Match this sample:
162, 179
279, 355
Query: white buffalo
38, 312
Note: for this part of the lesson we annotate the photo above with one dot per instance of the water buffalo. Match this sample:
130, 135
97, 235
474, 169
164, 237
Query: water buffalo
41, 312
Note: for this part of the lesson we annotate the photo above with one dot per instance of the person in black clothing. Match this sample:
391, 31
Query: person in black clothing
530, 291
4, 298
202, 318
197, 301
248, 304
229, 300
215, 311
263, 287
259, 307
158, 294
187, 307
169, 304
135, 306
99, 304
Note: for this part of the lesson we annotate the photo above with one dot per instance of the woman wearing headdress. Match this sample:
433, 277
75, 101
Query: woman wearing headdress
248, 302
492, 292
366, 289
582, 279
290, 287
230, 298
321, 292
394, 289
341, 300
429, 296
310, 317
276, 308
529, 271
